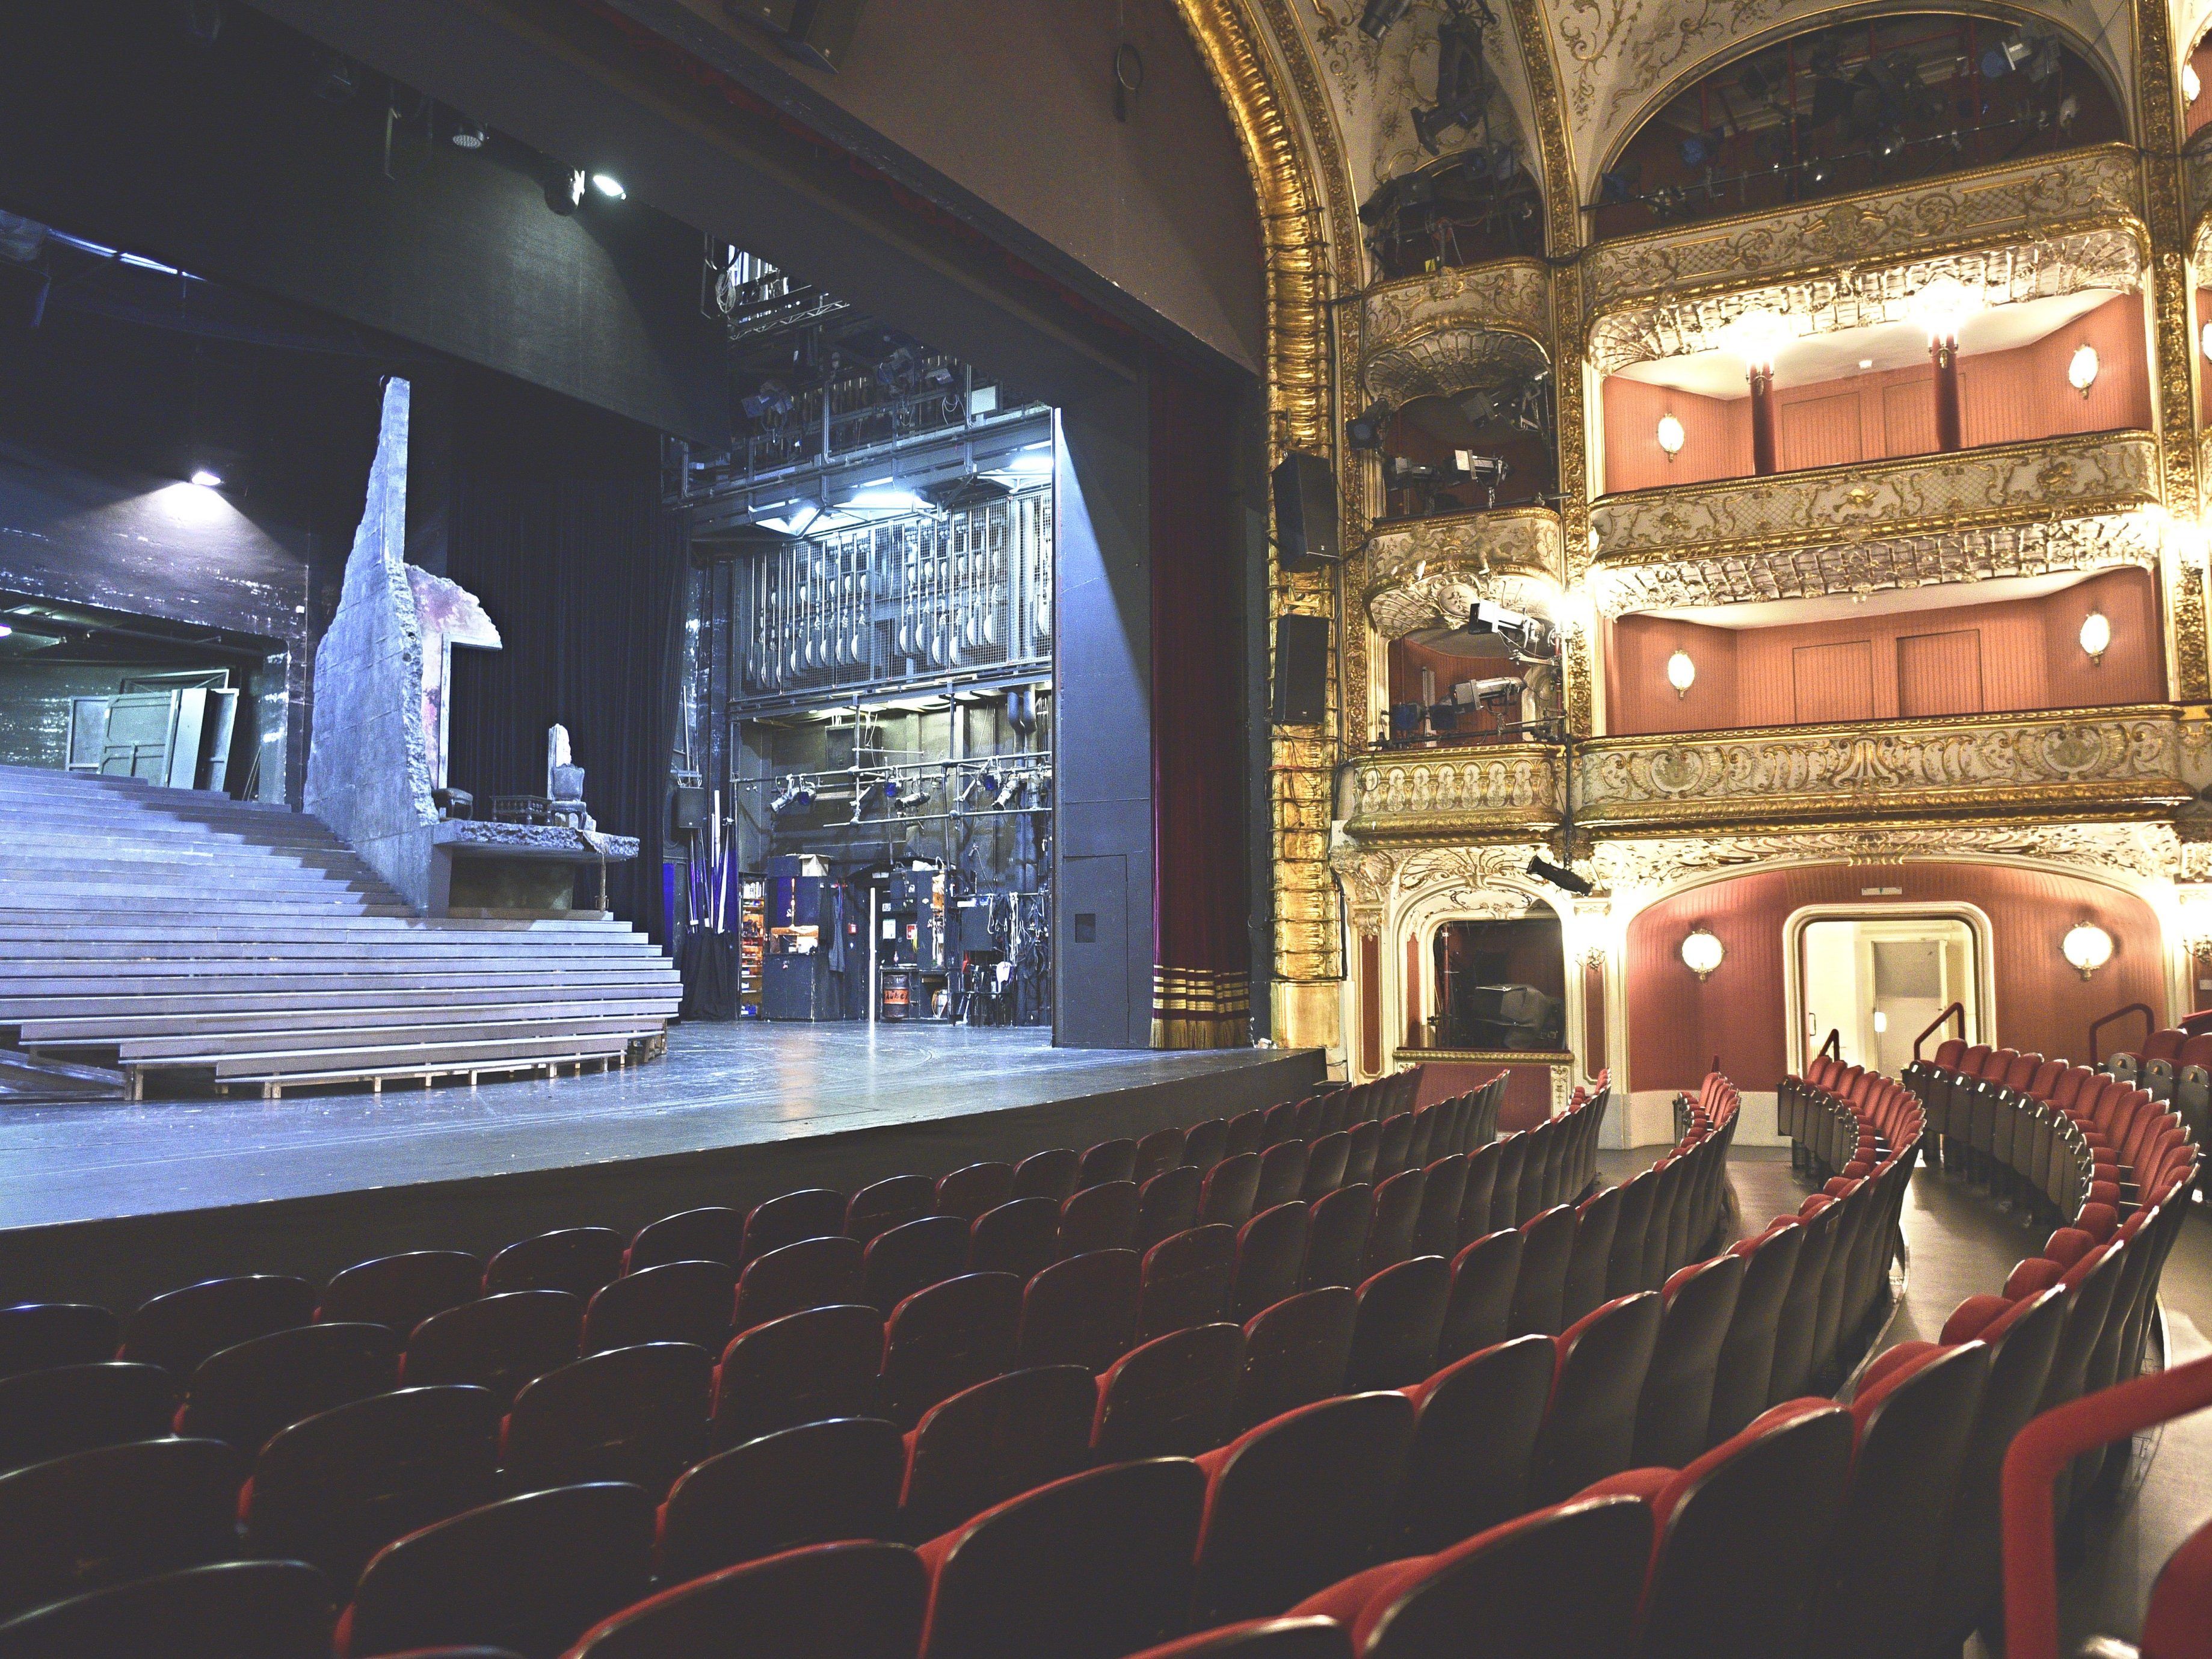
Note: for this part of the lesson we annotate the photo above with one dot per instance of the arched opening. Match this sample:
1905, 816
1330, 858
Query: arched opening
1490, 445
1878, 101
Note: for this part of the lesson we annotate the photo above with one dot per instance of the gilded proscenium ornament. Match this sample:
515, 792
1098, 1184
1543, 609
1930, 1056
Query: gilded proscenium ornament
2112, 763
2096, 542
2158, 124
2144, 851
2098, 185
1470, 548
1413, 329
2002, 483
1471, 794
1865, 295
1451, 359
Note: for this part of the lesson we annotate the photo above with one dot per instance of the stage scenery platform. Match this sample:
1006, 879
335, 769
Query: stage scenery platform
109, 1201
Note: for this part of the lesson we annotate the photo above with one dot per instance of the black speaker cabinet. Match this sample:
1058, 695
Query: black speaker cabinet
1305, 512
1301, 670
687, 807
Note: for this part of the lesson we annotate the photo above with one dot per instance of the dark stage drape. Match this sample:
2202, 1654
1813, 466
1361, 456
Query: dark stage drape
1202, 972
556, 524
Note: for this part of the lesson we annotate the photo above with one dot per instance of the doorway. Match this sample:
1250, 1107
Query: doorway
1879, 981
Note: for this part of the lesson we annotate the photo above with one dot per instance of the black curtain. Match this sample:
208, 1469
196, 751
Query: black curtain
556, 523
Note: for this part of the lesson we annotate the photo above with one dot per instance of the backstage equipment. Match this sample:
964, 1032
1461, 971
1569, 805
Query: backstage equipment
1506, 1016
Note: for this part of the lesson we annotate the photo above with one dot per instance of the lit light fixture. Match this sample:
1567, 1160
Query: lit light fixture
1943, 305
2087, 947
1681, 673
2191, 86
609, 186
565, 188
1865, 363
469, 135
1701, 951
5, 630
1756, 336
1881, 1022
2096, 636
2082, 368
207, 480
2204, 340
1670, 436
884, 497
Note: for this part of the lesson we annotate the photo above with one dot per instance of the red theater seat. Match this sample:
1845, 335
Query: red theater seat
809, 1485
1109, 1162
852, 1600
1020, 1237
1479, 1312
1398, 1321
802, 1368
1336, 1236
1102, 1217
888, 1204
633, 1414
713, 1233
910, 1257
498, 1343
1474, 1434
73, 1408
1185, 1280
1590, 1428
676, 1302
1271, 1259
1295, 1353
947, 1338
1049, 1174
401, 1292
993, 1442
1676, 1405
34, 1335
237, 1609
577, 1260
811, 1212
969, 1191
179, 1330
244, 1394
1168, 1204
813, 1272
1172, 1397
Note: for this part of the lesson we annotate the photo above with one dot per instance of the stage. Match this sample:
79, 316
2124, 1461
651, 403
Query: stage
110, 1202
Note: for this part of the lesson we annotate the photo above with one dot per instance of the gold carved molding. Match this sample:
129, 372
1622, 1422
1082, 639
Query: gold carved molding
1932, 494
1480, 793
2100, 183
1442, 360
1413, 330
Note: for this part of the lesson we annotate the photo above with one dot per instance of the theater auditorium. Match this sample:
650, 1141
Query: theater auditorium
1105, 830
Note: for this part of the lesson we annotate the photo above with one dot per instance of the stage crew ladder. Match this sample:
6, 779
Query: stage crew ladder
190, 940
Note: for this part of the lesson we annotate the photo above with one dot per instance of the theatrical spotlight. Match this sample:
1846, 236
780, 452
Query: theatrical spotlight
1365, 430
1462, 88
565, 188
1376, 20
469, 135
1544, 869
794, 797
609, 186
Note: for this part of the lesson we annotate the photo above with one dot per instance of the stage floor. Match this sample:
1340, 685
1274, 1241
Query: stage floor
720, 1087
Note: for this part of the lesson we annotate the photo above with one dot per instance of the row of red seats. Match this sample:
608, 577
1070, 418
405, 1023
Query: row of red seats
2175, 1064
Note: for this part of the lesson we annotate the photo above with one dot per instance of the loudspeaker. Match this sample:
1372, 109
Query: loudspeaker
687, 807
1301, 670
816, 32
1305, 512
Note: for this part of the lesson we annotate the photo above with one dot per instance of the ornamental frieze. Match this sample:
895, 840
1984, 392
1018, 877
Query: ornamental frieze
1512, 295
2098, 182
1980, 553
1867, 295
2126, 760
2146, 851
1425, 571
1467, 793
1932, 494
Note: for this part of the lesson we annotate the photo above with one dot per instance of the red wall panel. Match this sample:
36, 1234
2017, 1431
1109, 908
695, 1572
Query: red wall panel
1677, 1023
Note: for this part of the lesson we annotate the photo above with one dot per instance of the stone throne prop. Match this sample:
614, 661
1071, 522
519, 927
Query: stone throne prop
377, 753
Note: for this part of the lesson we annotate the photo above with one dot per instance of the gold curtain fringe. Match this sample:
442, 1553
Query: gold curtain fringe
1200, 1008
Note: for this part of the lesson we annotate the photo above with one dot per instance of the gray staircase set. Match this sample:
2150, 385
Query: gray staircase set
185, 939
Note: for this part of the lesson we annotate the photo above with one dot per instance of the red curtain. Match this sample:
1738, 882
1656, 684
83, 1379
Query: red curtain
1201, 961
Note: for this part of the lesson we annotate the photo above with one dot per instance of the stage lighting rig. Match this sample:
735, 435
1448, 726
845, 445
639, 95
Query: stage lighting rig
1565, 879
1462, 82
1376, 19
1365, 430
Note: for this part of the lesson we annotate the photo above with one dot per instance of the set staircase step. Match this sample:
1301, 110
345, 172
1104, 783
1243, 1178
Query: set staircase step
275, 923
201, 1049
649, 1004
207, 991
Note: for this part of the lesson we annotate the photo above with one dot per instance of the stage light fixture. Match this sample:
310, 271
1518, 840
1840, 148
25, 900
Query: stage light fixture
1376, 20
207, 479
2087, 947
1670, 437
468, 135
5, 630
2082, 368
1365, 430
609, 186
565, 188
1681, 673
1567, 880
1702, 951
2096, 636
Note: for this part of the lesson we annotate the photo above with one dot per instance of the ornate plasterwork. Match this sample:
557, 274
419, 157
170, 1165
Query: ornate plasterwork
1861, 296
1442, 360
2140, 852
1511, 295
2094, 543
1464, 794
2100, 472
2099, 186
1473, 548
2128, 762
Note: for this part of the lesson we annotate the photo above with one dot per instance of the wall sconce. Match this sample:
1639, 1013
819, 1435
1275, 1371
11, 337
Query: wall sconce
1881, 1022
2087, 947
2082, 368
2191, 85
1670, 436
1681, 673
2204, 340
1702, 952
2096, 636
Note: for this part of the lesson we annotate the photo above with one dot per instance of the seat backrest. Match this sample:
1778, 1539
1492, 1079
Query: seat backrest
856, 1599
402, 1290
72, 1408
1325, 1165
888, 1204
802, 1368
715, 1233
811, 1212
1095, 1565
1167, 1203
636, 1414
1479, 1311
244, 1394
1444, 1193
101, 1517
1204, 1144
1001, 1438
1589, 1430
1185, 1280
947, 1338
913, 1255
1172, 1397
2164, 1043
1474, 1434
973, 1188
1156, 1153
809, 1484
577, 1260
1336, 1237
1743, 1534
532, 1573
282, 1609
812, 1273
1590, 1263
676, 1302
1639, 1195
1282, 1175
1295, 1353
1299, 1501
1082, 1311
1675, 1406
1746, 1363
1020, 1237
1109, 1161
498, 1343
1099, 1217
1563, 1581
1054, 1172
1271, 1258
2180, 1610
1230, 1189
335, 1488
1949, 1052
1400, 1318
1540, 1289
178, 1330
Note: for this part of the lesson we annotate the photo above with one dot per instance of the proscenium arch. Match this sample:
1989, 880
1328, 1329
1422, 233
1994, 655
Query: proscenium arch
2091, 52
